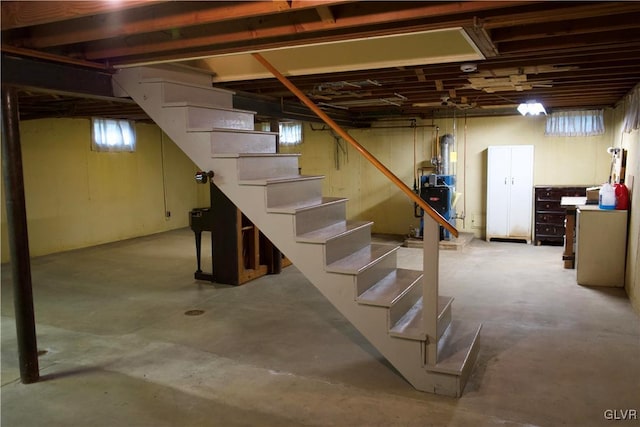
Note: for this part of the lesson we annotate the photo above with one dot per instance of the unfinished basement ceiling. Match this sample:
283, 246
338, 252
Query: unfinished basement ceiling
342, 53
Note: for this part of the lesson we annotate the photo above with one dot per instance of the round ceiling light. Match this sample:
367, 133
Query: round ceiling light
468, 68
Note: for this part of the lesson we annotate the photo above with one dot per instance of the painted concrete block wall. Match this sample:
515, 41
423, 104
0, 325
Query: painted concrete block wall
631, 142
77, 197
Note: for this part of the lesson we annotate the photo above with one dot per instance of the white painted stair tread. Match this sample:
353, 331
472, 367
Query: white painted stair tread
264, 155
268, 155
327, 233
393, 286
457, 348
411, 325
203, 105
280, 179
228, 130
362, 259
325, 201
249, 155
302, 206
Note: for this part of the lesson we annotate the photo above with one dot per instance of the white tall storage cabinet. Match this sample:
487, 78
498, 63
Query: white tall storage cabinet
509, 192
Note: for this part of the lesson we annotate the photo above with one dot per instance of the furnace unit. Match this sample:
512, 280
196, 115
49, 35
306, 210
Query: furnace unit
438, 189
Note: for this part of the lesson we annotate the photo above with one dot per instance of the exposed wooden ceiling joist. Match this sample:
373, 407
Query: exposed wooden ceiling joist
594, 47
567, 11
169, 16
19, 14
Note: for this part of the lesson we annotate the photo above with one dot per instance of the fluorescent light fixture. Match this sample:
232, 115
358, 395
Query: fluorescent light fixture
532, 108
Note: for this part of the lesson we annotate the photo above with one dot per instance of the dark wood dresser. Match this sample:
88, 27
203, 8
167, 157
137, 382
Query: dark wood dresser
549, 215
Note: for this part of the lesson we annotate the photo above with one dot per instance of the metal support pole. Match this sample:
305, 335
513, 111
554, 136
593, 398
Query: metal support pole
18, 237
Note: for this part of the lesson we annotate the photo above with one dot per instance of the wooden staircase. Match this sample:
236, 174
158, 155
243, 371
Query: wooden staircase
388, 305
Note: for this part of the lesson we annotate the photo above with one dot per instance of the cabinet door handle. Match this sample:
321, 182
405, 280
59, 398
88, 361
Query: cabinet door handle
513, 180
505, 180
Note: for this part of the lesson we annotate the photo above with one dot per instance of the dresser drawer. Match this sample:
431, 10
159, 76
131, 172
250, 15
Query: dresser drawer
550, 218
549, 230
549, 206
549, 194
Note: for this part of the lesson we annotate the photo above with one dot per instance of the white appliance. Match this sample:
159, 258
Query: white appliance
509, 192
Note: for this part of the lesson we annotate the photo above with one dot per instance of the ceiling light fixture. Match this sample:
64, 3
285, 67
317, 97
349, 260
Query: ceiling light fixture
468, 67
531, 108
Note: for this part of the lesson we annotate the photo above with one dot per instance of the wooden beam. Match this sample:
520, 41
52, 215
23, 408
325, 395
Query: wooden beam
18, 14
579, 10
569, 42
566, 28
325, 15
481, 38
253, 35
164, 17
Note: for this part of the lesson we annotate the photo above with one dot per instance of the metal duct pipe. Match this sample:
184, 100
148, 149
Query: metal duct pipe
446, 145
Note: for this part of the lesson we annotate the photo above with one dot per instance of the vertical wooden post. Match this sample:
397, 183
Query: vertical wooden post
18, 237
431, 244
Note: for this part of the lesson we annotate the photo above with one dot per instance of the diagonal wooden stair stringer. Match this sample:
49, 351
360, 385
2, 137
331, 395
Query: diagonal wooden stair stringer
358, 277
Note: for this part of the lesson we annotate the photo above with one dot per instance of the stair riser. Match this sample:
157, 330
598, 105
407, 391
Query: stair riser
405, 302
376, 272
468, 368
200, 117
267, 167
320, 217
453, 385
175, 92
288, 193
229, 142
444, 320
347, 244
446, 385
196, 147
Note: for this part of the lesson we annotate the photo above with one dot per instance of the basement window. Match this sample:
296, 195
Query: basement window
575, 123
113, 135
290, 133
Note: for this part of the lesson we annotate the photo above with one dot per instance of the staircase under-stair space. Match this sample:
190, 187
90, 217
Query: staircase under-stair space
388, 305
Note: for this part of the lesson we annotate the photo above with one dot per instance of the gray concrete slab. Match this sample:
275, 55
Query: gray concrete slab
121, 351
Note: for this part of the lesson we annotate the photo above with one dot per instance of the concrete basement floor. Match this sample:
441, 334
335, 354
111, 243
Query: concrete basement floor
120, 350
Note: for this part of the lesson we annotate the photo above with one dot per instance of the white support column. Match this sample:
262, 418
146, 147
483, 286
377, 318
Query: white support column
431, 244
